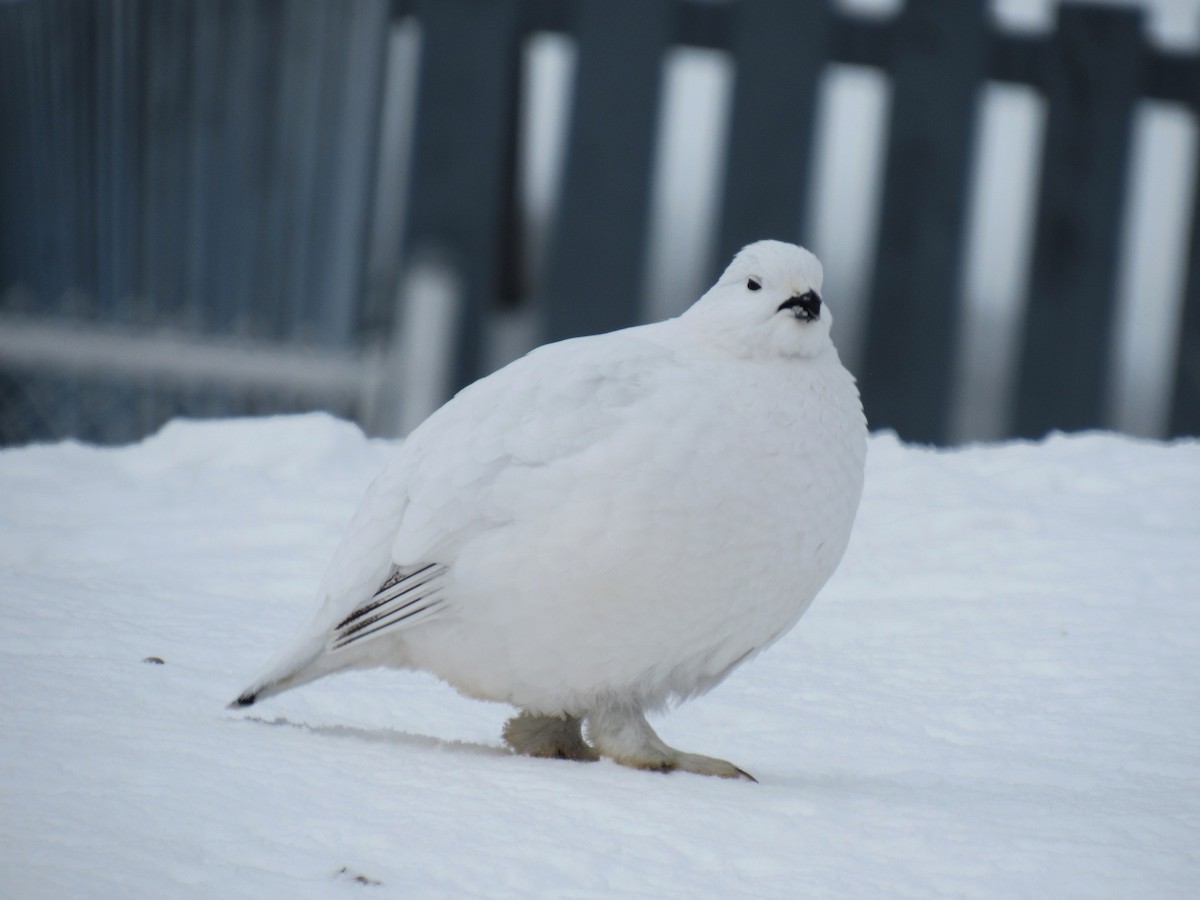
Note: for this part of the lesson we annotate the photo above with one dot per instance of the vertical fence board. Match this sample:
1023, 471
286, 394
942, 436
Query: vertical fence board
82, 37
19, 109
465, 132
912, 322
202, 112
1091, 87
119, 129
163, 255
319, 195
67, 63
282, 178
780, 50
117, 163
46, 161
239, 143
1185, 392
593, 281
304, 71
352, 133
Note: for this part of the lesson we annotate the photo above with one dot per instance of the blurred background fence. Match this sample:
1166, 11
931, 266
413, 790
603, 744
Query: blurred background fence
219, 208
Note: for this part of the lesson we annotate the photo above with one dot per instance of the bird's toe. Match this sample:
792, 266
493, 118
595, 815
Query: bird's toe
709, 765
677, 761
548, 736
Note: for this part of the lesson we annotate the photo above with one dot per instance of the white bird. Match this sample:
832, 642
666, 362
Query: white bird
610, 523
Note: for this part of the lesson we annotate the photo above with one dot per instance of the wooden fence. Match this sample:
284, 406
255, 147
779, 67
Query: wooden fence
270, 110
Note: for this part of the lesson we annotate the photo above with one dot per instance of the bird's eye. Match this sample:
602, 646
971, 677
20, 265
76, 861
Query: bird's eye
754, 284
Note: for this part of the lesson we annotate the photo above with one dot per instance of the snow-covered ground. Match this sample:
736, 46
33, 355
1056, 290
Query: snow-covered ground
997, 695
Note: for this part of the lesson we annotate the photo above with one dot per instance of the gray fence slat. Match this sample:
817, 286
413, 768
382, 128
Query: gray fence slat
299, 146
49, 167
324, 149
709, 25
118, 129
352, 103
863, 40
16, 189
1173, 76
1018, 58
163, 256
67, 66
1185, 393
239, 147
203, 112
18, 152
46, 248
909, 351
83, 40
593, 281
767, 165
292, 46
1091, 88
162, 38
464, 135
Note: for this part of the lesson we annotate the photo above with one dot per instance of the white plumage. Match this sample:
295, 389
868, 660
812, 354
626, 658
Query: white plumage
609, 523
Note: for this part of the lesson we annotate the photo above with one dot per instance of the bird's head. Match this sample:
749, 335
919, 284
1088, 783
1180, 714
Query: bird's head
767, 303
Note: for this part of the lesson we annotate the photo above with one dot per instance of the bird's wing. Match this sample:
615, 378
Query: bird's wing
455, 475
411, 594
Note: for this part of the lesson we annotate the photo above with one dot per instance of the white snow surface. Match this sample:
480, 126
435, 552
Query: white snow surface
998, 694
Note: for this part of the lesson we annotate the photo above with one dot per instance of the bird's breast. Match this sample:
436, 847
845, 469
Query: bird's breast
655, 560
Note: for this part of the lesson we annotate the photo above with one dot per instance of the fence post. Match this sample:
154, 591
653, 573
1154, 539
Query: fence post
1091, 86
780, 50
1185, 395
119, 137
593, 281
458, 204
939, 54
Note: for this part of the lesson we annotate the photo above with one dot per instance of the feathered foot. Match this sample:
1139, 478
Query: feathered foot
553, 737
624, 735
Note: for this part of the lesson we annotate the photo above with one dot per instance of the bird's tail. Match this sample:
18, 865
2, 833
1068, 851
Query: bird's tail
409, 596
303, 661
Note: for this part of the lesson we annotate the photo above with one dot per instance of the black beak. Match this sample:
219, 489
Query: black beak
807, 306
